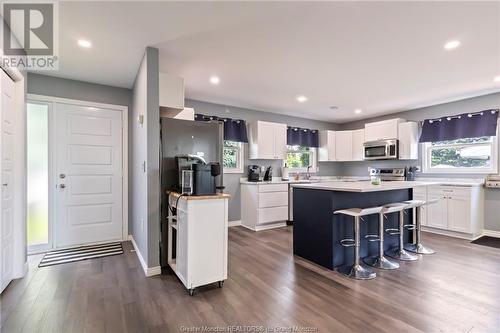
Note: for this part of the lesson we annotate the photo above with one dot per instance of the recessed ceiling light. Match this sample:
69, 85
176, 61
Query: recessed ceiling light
358, 111
214, 80
452, 44
301, 99
84, 43
497, 78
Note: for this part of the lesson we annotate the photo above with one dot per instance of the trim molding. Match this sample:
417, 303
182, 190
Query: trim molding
234, 223
450, 233
148, 271
491, 233
266, 226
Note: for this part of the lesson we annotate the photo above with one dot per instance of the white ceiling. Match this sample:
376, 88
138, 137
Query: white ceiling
381, 57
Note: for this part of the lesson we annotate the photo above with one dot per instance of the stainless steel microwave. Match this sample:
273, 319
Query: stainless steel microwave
381, 150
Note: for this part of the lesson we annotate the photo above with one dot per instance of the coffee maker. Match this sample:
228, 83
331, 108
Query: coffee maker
253, 173
195, 175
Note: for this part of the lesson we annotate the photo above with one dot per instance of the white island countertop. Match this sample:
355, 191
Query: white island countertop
363, 186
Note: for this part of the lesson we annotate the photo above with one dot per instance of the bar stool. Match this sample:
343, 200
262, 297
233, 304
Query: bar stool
380, 261
399, 252
417, 247
357, 271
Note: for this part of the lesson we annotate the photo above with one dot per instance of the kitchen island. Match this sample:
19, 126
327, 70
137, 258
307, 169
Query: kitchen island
317, 231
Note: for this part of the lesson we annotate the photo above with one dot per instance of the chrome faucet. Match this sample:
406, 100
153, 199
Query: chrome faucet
308, 174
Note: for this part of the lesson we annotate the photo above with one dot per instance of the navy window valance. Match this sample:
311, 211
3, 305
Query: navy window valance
297, 136
463, 126
234, 129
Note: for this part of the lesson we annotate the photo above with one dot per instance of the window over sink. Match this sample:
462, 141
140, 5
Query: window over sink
298, 158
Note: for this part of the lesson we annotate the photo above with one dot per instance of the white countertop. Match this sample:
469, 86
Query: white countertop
350, 180
452, 181
362, 186
314, 179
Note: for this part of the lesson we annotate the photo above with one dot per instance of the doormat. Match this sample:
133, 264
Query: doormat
488, 241
64, 256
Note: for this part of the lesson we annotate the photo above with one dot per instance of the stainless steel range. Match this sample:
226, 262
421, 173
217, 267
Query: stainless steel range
394, 174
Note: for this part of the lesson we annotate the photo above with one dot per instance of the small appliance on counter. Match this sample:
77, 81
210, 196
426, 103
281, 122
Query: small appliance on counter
195, 175
268, 175
253, 173
285, 175
492, 181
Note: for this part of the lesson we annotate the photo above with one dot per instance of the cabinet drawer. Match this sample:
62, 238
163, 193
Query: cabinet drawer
450, 191
273, 199
273, 188
273, 214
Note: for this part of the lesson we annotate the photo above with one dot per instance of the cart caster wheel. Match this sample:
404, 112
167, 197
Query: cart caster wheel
191, 292
221, 283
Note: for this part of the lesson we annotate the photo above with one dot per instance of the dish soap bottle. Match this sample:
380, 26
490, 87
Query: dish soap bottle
284, 173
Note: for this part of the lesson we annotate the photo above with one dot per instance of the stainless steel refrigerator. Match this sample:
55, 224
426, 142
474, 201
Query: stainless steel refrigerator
179, 137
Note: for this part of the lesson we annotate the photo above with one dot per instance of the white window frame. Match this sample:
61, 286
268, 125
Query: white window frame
426, 160
240, 160
314, 157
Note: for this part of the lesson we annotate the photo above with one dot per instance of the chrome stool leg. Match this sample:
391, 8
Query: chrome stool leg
357, 271
417, 247
399, 252
380, 261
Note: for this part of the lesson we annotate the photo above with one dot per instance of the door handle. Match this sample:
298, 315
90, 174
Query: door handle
5, 184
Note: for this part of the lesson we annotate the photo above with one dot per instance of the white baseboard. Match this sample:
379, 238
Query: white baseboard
266, 226
491, 233
450, 233
234, 223
148, 271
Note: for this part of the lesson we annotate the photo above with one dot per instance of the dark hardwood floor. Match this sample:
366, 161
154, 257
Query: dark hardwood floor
456, 290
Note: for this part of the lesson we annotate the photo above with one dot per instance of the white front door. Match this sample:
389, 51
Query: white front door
7, 178
88, 174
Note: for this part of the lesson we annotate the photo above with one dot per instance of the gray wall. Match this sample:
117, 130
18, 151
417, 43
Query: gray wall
144, 197
85, 91
492, 197
153, 156
232, 180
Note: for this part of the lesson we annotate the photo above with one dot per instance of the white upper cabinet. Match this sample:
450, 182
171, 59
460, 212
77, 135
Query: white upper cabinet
267, 141
405, 132
171, 91
408, 141
382, 130
358, 139
343, 146
326, 151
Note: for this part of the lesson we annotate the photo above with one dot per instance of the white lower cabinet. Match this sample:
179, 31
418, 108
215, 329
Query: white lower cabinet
199, 234
459, 210
264, 206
